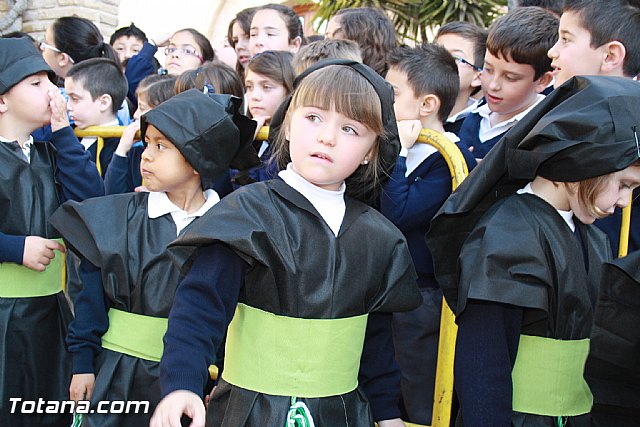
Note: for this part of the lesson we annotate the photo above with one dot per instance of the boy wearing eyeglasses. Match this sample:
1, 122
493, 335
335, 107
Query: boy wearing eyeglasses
467, 43
516, 71
419, 185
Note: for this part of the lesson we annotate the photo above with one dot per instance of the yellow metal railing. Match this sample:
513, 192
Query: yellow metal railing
443, 394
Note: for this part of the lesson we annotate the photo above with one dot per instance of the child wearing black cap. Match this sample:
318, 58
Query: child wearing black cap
311, 271
519, 260
127, 275
36, 178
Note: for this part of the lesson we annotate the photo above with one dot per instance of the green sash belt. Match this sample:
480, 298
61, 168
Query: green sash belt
135, 334
18, 281
287, 356
548, 377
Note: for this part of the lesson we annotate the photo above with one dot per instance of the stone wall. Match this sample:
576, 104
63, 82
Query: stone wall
41, 13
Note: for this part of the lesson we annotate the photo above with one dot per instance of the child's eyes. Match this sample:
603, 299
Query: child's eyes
487, 70
253, 34
313, 118
160, 147
267, 87
564, 40
350, 130
510, 78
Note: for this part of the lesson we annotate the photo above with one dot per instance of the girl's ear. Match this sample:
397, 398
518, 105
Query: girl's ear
104, 102
295, 44
64, 60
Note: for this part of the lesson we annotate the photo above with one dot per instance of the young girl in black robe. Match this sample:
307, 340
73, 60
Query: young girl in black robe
311, 273
128, 278
519, 261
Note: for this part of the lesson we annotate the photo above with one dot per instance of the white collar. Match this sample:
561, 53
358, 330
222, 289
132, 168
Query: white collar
25, 147
159, 204
472, 104
567, 216
329, 204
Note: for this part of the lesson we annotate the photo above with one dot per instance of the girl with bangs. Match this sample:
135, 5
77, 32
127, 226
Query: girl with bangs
310, 340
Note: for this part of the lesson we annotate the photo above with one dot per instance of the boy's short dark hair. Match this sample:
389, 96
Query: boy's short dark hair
430, 70
613, 20
554, 6
525, 35
101, 76
468, 31
130, 31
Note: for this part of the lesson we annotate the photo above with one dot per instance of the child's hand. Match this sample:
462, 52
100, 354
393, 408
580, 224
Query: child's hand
126, 140
58, 106
81, 386
260, 120
171, 408
408, 130
38, 252
396, 422
162, 40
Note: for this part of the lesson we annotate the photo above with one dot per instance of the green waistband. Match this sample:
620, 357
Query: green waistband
287, 356
18, 281
135, 334
548, 377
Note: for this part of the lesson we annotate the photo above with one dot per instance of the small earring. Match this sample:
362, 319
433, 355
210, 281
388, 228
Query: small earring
365, 161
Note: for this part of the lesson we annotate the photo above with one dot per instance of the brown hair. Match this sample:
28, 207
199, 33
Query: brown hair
525, 35
325, 49
218, 74
276, 65
156, 89
343, 89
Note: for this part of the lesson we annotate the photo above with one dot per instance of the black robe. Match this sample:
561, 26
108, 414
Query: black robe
34, 362
522, 253
299, 268
613, 365
116, 235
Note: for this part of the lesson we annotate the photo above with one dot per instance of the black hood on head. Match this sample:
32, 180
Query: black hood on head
19, 58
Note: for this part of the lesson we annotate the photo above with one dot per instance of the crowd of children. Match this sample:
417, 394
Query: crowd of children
311, 267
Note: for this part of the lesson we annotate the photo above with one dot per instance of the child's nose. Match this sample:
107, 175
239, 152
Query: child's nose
326, 136
552, 53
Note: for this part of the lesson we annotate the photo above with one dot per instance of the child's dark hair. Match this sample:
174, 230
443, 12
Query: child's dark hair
614, 20
276, 65
471, 32
101, 76
203, 43
554, 6
156, 89
291, 19
81, 39
130, 31
374, 33
325, 49
343, 89
525, 35
430, 70
218, 74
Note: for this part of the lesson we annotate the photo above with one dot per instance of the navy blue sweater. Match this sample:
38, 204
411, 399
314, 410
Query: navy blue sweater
470, 134
138, 67
203, 308
78, 178
411, 203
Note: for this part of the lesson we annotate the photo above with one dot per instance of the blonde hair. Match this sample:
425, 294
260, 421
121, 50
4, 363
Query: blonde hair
344, 90
589, 189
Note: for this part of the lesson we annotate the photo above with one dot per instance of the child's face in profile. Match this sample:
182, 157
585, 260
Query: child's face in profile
241, 44
459, 47
269, 32
265, 95
406, 104
509, 87
28, 101
184, 54
127, 46
572, 55
334, 29
143, 106
83, 109
616, 194
326, 147
163, 167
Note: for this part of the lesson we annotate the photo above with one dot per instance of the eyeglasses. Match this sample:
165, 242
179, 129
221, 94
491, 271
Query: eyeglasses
184, 50
44, 45
464, 61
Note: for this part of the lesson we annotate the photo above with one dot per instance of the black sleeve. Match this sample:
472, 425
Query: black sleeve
379, 373
202, 310
486, 349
